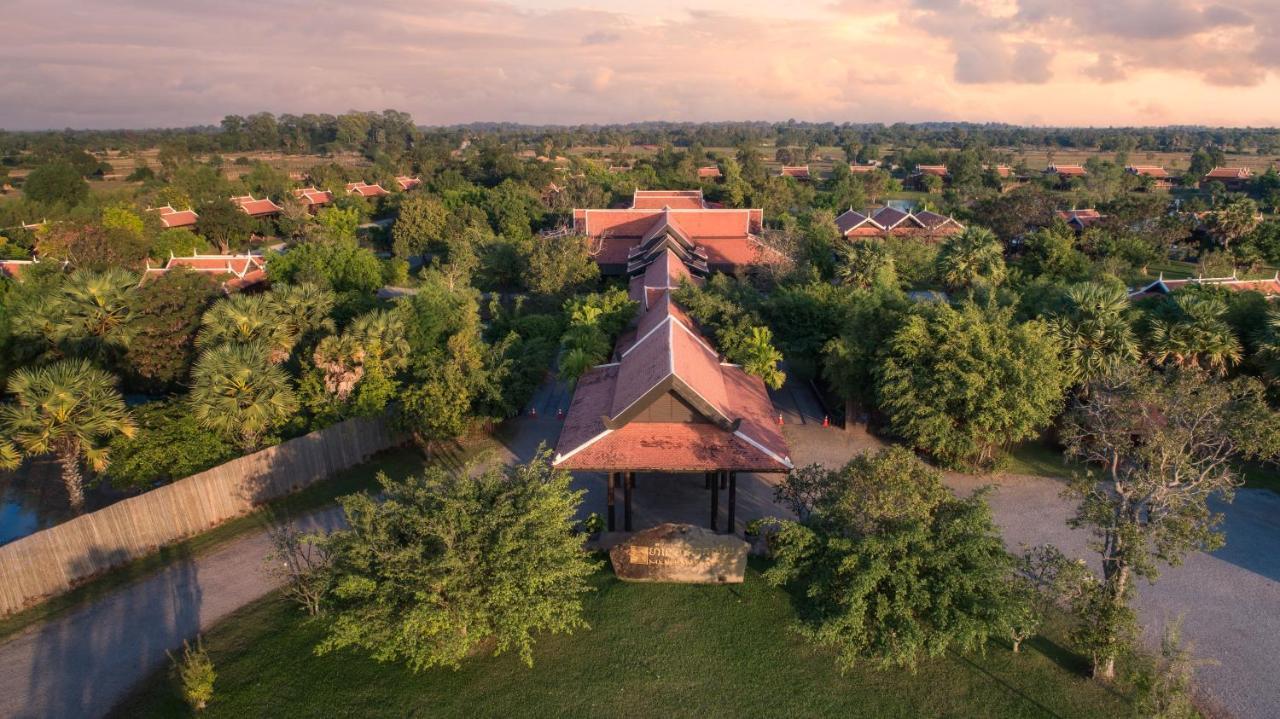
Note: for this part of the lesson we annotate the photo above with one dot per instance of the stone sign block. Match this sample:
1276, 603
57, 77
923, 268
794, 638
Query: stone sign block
680, 553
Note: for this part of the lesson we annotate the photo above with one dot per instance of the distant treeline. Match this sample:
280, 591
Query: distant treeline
394, 133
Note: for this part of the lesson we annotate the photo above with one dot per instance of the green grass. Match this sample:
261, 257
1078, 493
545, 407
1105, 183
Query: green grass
653, 650
396, 463
1261, 476
1039, 459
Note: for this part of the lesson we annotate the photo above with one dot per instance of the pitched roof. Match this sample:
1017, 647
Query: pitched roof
604, 428
365, 190
724, 238
408, 183
1003, 171
1147, 171
312, 197
238, 271
257, 208
1066, 170
800, 172
936, 170
170, 217
14, 268
887, 218
1229, 173
1269, 287
862, 169
674, 199
708, 171
664, 272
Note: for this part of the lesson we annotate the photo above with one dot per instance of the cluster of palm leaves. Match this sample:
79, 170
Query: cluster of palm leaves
376, 338
972, 258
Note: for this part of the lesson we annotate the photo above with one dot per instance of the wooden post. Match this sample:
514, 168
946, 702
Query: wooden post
733, 501
706, 480
612, 522
724, 480
628, 483
715, 503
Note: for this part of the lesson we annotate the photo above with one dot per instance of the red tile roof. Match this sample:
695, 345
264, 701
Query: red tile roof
408, 183
365, 190
312, 197
1229, 173
14, 268
726, 238
1148, 171
1004, 171
800, 172
708, 171
237, 271
257, 208
1067, 170
675, 199
890, 220
1081, 218
862, 169
1269, 287
170, 217
605, 429
935, 170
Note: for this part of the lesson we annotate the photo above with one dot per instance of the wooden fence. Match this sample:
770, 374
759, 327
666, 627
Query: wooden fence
53, 560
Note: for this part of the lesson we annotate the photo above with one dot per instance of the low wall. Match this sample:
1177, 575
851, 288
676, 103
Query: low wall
53, 560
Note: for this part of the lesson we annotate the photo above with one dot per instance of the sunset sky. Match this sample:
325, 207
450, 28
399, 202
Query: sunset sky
148, 63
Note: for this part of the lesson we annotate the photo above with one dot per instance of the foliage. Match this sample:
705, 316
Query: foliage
177, 241
420, 225
560, 264
1196, 336
1093, 332
239, 394
961, 382
737, 333
890, 568
970, 259
56, 182
450, 562
1163, 444
248, 320
868, 264
169, 445
336, 224
1043, 579
224, 224
69, 408
850, 358
1166, 691
594, 323
166, 314
300, 564
195, 673
339, 265
91, 246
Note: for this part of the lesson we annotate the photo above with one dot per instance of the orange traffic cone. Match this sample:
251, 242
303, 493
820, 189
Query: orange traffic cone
826, 421
779, 419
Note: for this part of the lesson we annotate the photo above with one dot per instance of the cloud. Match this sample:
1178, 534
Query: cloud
601, 37
1106, 69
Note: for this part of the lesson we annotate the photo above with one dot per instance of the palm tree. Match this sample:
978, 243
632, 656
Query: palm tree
305, 307
382, 334
239, 394
69, 408
971, 258
248, 319
1094, 332
1268, 356
1197, 338
761, 358
867, 264
91, 312
341, 359
376, 337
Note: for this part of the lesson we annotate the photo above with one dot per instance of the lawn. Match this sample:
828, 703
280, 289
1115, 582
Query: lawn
396, 463
653, 650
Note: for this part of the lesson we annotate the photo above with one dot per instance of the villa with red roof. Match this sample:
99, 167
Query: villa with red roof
365, 190
1269, 287
712, 239
313, 198
1235, 178
1081, 220
667, 403
862, 169
1160, 176
1066, 173
922, 171
799, 172
710, 172
237, 272
172, 218
674, 199
892, 222
408, 183
257, 208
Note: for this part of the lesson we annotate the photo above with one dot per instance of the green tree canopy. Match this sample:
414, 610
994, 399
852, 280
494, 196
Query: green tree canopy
239, 394
166, 317
57, 182
448, 562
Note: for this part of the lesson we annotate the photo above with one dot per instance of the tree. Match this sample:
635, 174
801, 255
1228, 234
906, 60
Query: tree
56, 182
92, 247
336, 224
1093, 332
760, 358
345, 267
224, 224
420, 224
1196, 336
961, 382
560, 265
239, 394
970, 259
304, 309
92, 315
374, 337
1051, 252
1234, 222
850, 359
177, 241
71, 409
892, 568
166, 318
248, 320
168, 446
867, 264
450, 562
1162, 445
1044, 578
195, 674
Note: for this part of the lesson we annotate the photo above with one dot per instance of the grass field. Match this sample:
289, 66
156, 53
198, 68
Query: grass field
653, 650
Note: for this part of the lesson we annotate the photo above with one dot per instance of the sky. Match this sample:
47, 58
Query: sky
167, 63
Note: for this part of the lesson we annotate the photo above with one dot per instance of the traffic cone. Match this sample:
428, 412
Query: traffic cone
559, 414
826, 421
779, 419
533, 411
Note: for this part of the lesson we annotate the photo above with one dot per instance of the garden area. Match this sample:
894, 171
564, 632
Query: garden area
652, 650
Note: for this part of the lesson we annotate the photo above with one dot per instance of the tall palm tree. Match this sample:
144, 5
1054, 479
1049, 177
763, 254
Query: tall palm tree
69, 408
91, 314
1197, 338
1094, 332
305, 308
1268, 356
239, 394
867, 264
382, 334
248, 319
374, 337
971, 258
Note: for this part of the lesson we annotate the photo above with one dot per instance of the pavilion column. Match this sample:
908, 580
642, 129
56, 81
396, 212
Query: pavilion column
706, 480
724, 480
733, 501
629, 483
612, 521
715, 503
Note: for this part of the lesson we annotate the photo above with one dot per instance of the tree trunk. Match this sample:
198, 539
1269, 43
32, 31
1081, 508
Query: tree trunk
849, 408
73, 479
1104, 667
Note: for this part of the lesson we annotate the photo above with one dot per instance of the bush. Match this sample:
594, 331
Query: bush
168, 446
195, 674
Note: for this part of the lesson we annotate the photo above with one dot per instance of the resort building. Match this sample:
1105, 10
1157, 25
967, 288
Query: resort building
1268, 287
710, 172
237, 272
892, 222
663, 199
1066, 173
799, 172
1081, 220
1160, 176
408, 183
366, 191
314, 199
1235, 179
172, 218
257, 208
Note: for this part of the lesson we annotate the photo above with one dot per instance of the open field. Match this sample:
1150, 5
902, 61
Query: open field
652, 650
